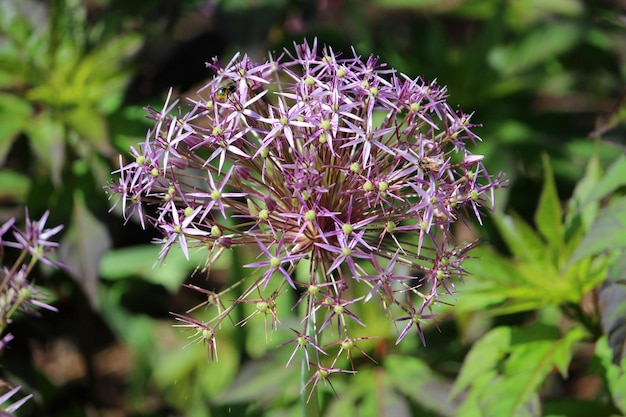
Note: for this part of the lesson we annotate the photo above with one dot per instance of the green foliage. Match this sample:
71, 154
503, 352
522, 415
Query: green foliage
615, 375
505, 369
559, 264
546, 286
547, 268
59, 81
138, 262
60, 78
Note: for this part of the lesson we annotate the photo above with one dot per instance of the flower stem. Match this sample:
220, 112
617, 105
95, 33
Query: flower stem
310, 404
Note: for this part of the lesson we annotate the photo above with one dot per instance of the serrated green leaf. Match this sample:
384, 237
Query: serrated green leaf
534, 352
482, 358
526, 355
608, 232
583, 206
529, 364
565, 350
522, 240
549, 216
102, 73
500, 399
479, 297
526, 286
489, 266
471, 407
613, 178
415, 379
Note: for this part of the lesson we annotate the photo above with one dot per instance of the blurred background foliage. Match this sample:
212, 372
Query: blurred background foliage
538, 329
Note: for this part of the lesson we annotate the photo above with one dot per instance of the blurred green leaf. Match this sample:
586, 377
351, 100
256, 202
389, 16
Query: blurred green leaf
92, 127
518, 360
506, 397
581, 210
537, 45
262, 380
608, 232
505, 286
532, 11
415, 379
614, 178
141, 261
615, 375
548, 215
15, 113
372, 392
616, 118
482, 358
565, 349
575, 407
612, 298
493, 272
82, 247
247, 4
406, 3
137, 331
186, 373
13, 186
522, 240
617, 385
47, 136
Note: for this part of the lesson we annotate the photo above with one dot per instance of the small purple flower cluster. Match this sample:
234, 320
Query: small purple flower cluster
17, 294
340, 165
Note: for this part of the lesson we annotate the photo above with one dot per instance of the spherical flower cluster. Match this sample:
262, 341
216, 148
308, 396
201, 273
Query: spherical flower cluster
34, 245
340, 163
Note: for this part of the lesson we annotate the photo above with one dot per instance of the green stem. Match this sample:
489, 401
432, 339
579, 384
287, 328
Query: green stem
309, 408
310, 400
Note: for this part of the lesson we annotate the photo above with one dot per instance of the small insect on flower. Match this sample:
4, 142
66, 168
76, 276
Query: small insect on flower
227, 86
429, 164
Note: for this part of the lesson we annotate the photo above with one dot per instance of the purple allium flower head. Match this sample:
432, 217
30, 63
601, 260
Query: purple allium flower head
16, 292
35, 239
339, 162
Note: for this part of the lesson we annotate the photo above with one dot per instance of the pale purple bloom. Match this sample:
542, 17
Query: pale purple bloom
17, 293
340, 162
302, 342
322, 374
13, 407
